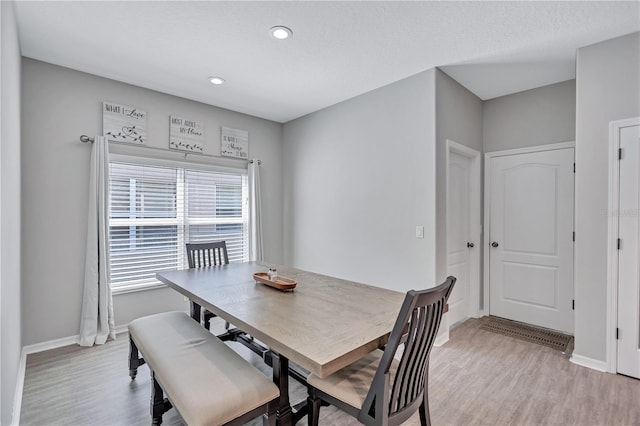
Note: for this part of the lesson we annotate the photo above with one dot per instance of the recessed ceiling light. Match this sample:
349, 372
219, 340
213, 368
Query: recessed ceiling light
216, 80
280, 32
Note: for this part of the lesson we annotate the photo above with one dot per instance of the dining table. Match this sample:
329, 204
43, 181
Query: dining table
321, 325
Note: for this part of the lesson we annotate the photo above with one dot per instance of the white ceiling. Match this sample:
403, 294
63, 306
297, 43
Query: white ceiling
339, 49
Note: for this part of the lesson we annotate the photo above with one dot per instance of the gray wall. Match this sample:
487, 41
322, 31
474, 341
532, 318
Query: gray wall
10, 324
359, 176
59, 105
608, 88
534, 117
458, 118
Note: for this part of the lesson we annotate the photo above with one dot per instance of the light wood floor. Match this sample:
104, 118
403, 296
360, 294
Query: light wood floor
477, 378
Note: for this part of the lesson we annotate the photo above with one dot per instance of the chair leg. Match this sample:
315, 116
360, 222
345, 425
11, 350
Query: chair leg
133, 359
425, 417
157, 402
313, 407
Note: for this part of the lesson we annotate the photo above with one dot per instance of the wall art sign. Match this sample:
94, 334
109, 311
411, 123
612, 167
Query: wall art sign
234, 143
122, 123
186, 135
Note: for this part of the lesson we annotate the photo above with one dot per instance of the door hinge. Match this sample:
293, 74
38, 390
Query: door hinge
619, 243
619, 153
573, 304
574, 167
574, 236
617, 334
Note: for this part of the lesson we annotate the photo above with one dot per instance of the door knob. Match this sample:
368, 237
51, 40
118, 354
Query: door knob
470, 245
494, 244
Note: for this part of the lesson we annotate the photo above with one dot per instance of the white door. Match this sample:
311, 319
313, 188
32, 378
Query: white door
459, 239
628, 274
531, 238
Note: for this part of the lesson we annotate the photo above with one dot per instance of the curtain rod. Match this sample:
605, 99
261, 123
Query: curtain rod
85, 139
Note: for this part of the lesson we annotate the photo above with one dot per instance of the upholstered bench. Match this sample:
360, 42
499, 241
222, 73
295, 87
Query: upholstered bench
204, 379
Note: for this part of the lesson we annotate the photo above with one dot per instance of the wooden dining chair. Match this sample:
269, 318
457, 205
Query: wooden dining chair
208, 254
380, 389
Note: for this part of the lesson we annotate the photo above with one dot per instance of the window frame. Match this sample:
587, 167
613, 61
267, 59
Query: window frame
180, 202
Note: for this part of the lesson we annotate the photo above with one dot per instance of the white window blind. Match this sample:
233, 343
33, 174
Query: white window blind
155, 210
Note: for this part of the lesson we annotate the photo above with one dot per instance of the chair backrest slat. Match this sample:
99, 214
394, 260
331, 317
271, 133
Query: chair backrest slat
417, 327
435, 313
416, 361
408, 364
207, 254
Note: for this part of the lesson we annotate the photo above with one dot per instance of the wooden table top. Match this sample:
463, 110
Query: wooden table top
323, 325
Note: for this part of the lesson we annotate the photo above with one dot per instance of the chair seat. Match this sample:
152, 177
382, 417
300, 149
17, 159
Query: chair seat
351, 384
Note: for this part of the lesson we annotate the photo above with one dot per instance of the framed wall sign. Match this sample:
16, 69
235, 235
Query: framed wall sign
234, 143
121, 123
186, 134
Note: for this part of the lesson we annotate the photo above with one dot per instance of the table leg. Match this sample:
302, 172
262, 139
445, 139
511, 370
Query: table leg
284, 414
195, 311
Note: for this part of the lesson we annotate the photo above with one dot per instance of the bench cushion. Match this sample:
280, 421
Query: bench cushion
205, 380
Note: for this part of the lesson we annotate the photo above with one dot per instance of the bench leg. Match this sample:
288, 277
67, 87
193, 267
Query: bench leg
157, 402
134, 359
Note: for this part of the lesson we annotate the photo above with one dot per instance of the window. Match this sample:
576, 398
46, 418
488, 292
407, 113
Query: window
156, 209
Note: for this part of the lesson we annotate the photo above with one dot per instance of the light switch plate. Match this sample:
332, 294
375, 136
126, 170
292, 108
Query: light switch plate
419, 231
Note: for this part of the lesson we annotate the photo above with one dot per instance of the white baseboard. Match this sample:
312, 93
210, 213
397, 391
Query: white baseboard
17, 398
441, 339
51, 344
64, 341
122, 328
594, 364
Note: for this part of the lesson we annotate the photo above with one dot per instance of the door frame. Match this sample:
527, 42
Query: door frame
475, 225
612, 239
487, 208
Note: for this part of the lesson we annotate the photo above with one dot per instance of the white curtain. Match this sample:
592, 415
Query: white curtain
255, 212
97, 324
